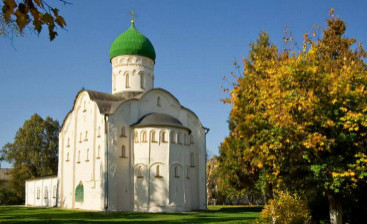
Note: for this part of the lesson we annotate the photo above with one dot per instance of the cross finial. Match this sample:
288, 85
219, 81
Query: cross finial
133, 15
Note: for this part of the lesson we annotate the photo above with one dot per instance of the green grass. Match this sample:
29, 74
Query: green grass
215, 214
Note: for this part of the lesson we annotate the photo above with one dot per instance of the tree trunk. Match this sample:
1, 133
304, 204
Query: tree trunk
335, 209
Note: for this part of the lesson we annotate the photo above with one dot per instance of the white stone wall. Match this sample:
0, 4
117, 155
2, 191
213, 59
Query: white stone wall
41, 192
81, 155
132, 73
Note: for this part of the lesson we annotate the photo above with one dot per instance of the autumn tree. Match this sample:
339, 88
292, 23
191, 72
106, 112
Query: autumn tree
303, 115
33, 153
17, 15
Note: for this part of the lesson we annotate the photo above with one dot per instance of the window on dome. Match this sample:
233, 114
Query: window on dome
127, 80
142, 80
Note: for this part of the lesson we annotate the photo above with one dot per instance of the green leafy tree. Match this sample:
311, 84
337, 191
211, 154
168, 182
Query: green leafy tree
303, 115
33, 153
17, 15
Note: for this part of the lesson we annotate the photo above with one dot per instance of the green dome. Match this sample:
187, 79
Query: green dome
132, 42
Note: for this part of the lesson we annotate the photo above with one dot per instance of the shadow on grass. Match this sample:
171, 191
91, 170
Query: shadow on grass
13, 214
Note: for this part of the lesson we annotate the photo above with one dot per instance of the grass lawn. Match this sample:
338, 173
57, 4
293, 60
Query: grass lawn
215, 214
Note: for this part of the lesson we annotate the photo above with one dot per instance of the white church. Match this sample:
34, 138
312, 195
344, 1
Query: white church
137, 149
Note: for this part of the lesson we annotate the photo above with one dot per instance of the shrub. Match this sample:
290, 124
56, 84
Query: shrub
286, 208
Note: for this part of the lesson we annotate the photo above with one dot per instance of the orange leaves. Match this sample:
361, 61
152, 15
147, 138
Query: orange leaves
35, 11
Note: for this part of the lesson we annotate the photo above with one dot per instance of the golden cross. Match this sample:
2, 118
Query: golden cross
133, 15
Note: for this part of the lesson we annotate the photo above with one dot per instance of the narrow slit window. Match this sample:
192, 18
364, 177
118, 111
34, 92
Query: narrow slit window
140, 172
127, 80
157, 174
45, 194
123, 152
78, 156
80, 137
68, 143
142, 81
87, 156
176, 172
144, 136
98, 152
153, 137
54, 192
173, 137
86, 136
188, 172
163, 136
99, 132
38, 193
67, 157
159, 101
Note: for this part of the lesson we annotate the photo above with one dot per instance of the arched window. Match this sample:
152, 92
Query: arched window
68, 145
144, 136
127, 80
179, 138
123, 132
98, 152
176, 172
45, 194
54, 192
185, 139
67, 157
99, 132
140, 172
192, 160
38, 193
173, 137
159, 101
142, 80
136, 137
123, 152
86, 136
78, 156
153, 137
157, 174
87, 156
163, 136
79, 192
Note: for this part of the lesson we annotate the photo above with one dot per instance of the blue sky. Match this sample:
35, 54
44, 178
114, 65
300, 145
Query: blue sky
195, 41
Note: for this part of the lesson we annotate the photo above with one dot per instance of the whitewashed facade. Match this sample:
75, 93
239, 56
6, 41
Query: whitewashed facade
137, 149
